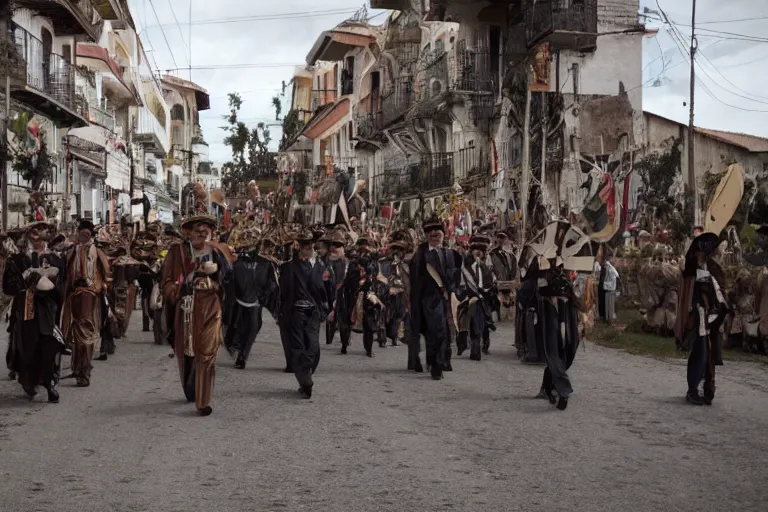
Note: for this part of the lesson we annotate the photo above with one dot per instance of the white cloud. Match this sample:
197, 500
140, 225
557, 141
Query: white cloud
733, 71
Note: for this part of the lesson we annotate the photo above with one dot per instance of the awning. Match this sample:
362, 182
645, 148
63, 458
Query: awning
327, 119
93, 165
333, 45
98, 59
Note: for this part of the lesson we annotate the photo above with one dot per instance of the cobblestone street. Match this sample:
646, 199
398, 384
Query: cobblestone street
377, 438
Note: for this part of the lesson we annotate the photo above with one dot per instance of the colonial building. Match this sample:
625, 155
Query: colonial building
186, 99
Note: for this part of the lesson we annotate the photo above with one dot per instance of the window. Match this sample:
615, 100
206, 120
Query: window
177, 113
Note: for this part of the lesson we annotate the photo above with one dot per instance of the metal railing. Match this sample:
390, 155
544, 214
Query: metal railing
346, 162
435, 75
48, 73
397, 101
436, 171
322, 97
102, 116
149, 125
546, 16
369, 124
347, 86
474, 69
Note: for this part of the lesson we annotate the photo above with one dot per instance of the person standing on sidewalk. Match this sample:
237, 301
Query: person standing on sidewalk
701, 311
610, 285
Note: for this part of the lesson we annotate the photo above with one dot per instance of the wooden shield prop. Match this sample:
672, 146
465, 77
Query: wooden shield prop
725, 201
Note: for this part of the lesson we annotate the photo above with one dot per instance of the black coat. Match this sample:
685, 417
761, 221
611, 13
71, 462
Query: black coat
291, 278
428, 304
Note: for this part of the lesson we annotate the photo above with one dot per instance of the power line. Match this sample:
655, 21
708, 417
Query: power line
731, 21
701, 82
180, 32
271, 17
164, 36
237, 66
729, 82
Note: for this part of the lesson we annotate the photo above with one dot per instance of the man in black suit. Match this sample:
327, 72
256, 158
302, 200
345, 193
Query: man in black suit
434, 273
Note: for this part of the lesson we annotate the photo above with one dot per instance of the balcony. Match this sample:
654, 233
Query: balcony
173, 190
322, 97
477, 71
369, 125
435, 75
564, 24
395, 103
49, 84
394, 5
69, 17
151, 134
113, 78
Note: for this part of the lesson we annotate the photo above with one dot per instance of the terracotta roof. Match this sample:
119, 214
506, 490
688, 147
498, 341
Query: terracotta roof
751, 143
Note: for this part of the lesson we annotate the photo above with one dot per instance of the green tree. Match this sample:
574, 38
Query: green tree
250, 148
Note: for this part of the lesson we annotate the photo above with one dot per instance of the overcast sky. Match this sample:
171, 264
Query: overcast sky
287, 41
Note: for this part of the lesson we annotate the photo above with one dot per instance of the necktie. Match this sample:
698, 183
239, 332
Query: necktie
477, 274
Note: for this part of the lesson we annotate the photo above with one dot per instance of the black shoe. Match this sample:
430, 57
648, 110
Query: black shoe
447, 367
708, 397
53, 396
330, 342
288, 369
394, 343
344, 349
475, 357
562, 404
437, 372
102, 357
146, 329
12, 375
305, 392
694, 398
486, 350
460, 351
31, 392
240, 363
417, 367
205, 411
369, 353
542, 394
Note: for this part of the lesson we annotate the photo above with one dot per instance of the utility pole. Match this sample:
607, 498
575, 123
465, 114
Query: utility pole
544, 129
189, 38
6, 117
526, 157
691, 130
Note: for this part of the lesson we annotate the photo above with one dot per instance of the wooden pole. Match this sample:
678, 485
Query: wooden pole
691, 129
526, 157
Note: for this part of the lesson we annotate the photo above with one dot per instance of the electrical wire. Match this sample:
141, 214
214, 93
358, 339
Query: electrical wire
765, 98
272, 17
680, 45
164, 36
180, 32
237, 66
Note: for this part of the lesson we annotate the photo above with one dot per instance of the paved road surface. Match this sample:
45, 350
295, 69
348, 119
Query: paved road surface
376, 438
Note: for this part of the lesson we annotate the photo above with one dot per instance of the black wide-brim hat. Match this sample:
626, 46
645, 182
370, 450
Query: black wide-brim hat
478, 246
433, 224
705, 243
86, 224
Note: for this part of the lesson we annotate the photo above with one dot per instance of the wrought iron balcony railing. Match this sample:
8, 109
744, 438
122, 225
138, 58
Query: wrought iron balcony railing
476, 70
46, 72
322, 97
397, 101
435, 75
567, 24
436, 171
369, 124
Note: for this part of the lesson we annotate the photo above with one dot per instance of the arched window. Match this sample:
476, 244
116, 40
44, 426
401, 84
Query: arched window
177, 113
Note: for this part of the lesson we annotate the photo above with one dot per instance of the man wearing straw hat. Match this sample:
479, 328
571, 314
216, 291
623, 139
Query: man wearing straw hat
192, 276
35, 279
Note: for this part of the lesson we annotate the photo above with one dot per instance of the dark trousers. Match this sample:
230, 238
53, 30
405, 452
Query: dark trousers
414, 343
699, 367
107, 339
437, 345
157, 326
188, 379
304, 343
345, 333
462, 342
556, 372
368, 340
486, 338
43, 365
146, 312
249, 323
330, 331
285, 340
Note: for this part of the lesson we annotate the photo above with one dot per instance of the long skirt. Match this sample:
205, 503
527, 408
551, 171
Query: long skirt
83, 327
197, 353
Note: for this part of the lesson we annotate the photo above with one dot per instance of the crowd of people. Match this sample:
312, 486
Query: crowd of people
208, 286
